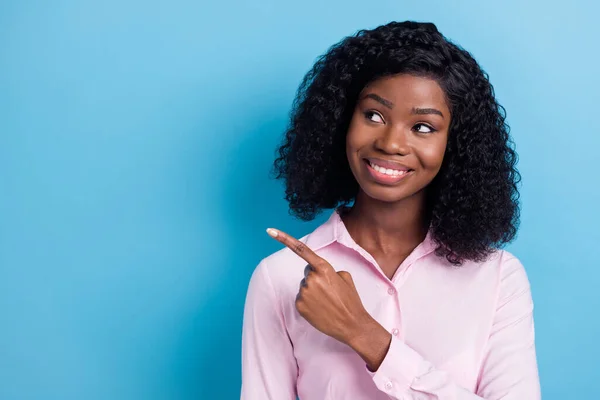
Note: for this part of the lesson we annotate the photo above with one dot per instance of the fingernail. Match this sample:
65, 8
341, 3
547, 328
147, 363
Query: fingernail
272, 232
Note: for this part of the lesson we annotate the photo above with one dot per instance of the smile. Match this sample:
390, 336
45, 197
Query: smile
386, 175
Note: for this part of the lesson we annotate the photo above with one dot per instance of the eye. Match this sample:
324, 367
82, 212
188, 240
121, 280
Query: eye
369, 114
431, 130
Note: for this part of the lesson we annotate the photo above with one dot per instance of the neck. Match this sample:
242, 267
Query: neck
387, 227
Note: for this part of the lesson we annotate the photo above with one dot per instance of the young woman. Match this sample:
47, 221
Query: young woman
404, 292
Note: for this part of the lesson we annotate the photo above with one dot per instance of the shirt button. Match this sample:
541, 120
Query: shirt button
395, 332
391, 291
388, 385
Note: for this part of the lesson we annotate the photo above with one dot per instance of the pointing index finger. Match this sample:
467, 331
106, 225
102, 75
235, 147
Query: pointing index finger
301, 249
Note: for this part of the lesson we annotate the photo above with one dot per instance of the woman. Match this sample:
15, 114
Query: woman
404, 292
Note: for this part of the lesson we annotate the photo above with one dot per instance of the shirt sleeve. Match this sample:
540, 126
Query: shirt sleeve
509, 369
269, 369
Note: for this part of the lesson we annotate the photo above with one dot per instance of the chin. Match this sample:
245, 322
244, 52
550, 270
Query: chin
388, 194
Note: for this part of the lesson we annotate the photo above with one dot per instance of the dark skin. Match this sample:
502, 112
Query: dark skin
397, 119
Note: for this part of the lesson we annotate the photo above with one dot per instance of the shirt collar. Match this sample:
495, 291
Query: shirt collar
334, 230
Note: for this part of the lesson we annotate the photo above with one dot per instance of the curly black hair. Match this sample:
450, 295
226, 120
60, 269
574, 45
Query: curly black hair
472, 203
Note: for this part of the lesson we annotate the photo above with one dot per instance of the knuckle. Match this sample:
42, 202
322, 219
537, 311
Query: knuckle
319, 282
299, 247
300, 306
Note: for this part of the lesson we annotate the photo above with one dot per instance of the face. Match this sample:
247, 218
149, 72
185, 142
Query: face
397, 136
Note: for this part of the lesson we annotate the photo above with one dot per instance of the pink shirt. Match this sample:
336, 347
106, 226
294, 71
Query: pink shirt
457, 333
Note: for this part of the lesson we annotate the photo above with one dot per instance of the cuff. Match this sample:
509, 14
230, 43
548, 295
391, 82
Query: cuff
399, 368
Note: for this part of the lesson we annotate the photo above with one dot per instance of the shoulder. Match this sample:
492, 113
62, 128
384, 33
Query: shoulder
285, 268
500, 275
507, 272
282, 269
514, 280
502, 263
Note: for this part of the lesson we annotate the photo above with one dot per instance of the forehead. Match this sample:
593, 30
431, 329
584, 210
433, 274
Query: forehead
408, 91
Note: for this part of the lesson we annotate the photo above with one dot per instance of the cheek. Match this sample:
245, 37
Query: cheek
354, 140
433, 155
352, 145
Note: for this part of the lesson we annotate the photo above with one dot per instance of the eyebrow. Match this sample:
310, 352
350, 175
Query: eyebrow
415, 110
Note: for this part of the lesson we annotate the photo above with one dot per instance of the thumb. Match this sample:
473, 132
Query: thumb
345, 275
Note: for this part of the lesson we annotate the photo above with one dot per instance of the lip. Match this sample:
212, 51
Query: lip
385, 178
389, 164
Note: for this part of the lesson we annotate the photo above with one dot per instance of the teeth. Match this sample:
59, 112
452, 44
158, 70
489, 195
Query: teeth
387, 171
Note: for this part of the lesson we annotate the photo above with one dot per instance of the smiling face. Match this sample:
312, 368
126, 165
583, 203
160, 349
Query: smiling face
397, 136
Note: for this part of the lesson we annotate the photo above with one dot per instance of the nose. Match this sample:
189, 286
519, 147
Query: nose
393, 141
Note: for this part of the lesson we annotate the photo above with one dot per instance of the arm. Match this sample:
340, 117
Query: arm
269, 369
509, 369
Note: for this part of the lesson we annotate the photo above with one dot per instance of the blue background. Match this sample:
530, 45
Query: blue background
136, 140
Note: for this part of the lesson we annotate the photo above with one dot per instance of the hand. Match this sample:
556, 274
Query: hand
327, 299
